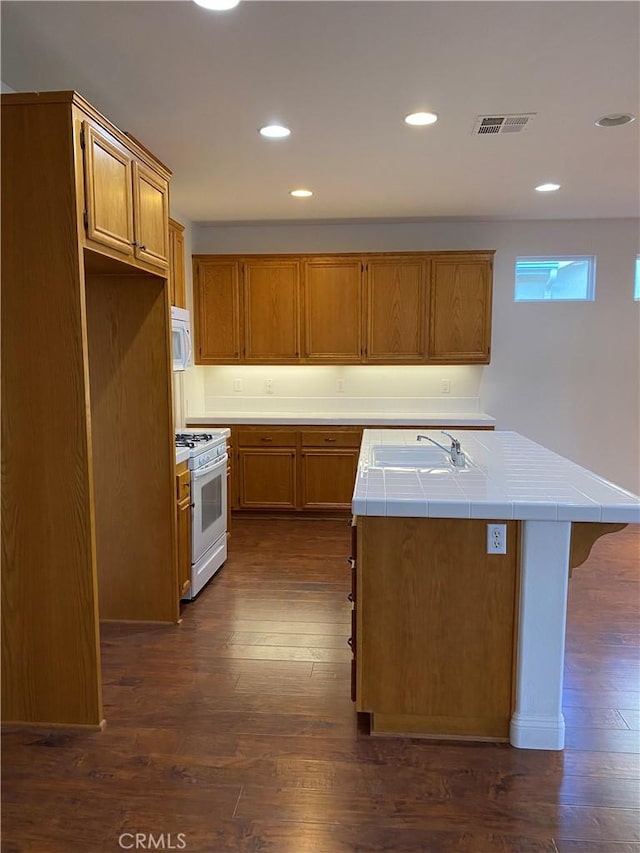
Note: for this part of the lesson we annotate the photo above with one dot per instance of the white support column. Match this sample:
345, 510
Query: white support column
544, 565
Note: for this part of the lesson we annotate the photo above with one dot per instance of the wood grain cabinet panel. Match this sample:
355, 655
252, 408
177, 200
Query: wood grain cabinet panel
327, 478
395, 310
217, 300
444, 663
460, 309
333, 310
177, 290
271, 311
267, 478
109, 191
150, 216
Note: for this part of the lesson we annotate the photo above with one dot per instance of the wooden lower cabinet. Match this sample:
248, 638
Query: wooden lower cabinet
183, 490
435, 627
267, 478
328, 461
327, 477
295, 468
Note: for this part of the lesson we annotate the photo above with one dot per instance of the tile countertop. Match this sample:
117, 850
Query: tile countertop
182, 454
510, 477
341, 419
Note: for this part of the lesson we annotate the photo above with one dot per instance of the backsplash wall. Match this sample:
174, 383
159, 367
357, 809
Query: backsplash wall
374, 389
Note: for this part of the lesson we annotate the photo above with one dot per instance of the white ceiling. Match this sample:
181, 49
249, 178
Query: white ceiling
195, 86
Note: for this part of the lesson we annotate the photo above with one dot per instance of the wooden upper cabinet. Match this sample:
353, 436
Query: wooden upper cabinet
217, 302
333, 310
377, 308
126, 201
395, 309
109, 191
151, 216
271, 311
460, 308
177, 289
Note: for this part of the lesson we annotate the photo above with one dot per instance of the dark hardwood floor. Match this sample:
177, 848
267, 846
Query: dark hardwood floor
235, 731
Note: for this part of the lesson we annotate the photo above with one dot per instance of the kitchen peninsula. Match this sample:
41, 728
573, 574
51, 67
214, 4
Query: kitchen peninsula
460, 578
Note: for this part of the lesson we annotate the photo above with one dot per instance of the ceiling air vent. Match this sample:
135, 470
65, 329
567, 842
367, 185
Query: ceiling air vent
510, 123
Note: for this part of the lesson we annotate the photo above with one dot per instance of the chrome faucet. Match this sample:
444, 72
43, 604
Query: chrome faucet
455, 451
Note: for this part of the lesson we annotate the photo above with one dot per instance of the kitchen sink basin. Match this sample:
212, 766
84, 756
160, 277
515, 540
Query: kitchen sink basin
423, 457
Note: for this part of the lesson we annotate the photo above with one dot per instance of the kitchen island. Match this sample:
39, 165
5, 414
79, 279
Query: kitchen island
460, 581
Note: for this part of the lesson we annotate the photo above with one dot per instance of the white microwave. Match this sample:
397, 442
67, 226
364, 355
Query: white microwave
181, 339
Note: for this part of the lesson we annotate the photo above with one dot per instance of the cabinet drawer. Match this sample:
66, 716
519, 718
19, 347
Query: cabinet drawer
183, 484
331, 438
266, 438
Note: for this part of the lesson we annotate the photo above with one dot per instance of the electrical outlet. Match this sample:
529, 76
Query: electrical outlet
340, 386
445, 386
237, 384
268, 386
496, 538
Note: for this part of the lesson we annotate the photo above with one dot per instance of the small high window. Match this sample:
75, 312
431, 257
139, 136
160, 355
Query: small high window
559, 279
636, 286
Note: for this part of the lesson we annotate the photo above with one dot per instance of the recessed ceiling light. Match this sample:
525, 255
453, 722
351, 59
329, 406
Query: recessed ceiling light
274, 131
217, 5
547, 188
615, 119
420, 119
300, 193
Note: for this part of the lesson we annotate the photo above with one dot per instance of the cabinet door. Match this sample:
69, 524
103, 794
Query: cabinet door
460, 309
176, 264
328, 478
267, 478
108, 186
395, 310
151, 216
184, 546
333, 310
216, 296
271, 311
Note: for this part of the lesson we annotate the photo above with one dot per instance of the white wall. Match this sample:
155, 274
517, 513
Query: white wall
566, 375
4, 88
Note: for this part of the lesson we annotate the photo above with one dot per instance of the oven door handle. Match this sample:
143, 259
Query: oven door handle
220, 462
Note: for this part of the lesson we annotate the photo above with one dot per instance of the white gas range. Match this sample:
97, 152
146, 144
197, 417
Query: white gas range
207, 458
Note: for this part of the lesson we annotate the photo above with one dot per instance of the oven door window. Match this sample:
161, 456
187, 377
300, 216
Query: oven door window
211, 496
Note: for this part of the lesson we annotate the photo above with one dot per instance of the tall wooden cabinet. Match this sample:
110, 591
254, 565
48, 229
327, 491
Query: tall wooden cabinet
88, 511
378, 308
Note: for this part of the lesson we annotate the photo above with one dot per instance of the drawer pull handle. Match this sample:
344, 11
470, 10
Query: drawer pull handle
352, 562
330, 439
350, 597
350, 642
265, 438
